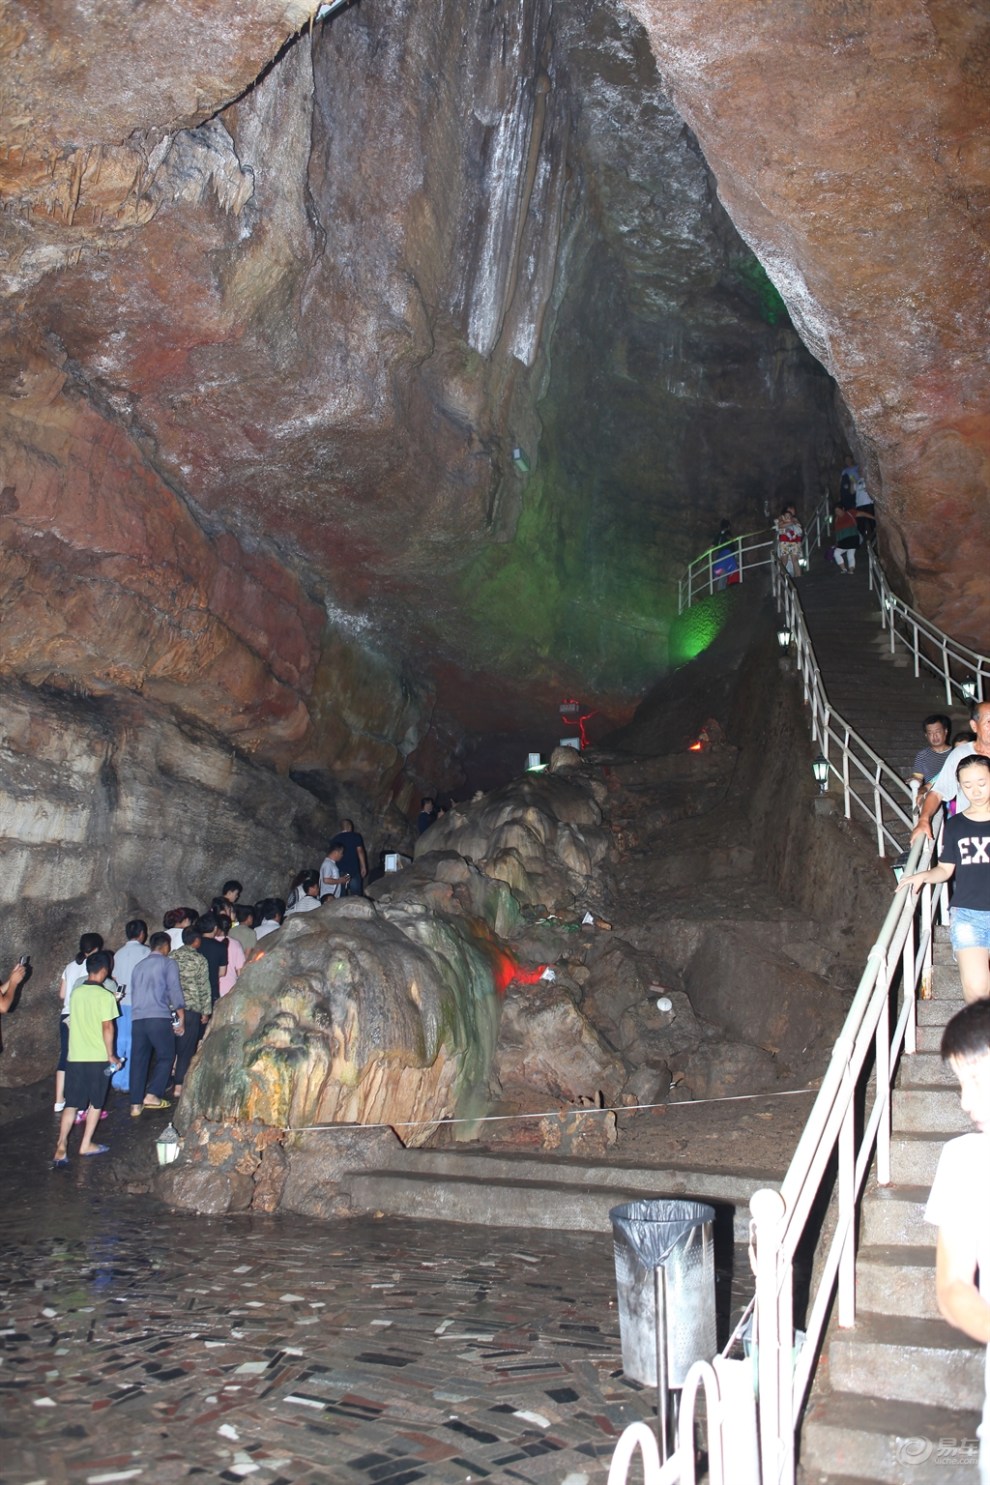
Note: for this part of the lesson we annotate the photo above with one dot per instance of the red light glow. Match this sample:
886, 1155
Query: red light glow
506, 972
505, 969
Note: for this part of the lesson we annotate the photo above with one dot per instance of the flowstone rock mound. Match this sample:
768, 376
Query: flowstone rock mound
387, 1013
542, 835
353, 1015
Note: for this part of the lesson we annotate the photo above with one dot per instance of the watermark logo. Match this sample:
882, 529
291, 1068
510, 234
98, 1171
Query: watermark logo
942, 1451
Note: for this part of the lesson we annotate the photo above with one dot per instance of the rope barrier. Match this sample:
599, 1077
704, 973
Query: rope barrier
635, 1108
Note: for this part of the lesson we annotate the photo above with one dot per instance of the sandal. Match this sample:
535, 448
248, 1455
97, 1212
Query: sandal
162, 1103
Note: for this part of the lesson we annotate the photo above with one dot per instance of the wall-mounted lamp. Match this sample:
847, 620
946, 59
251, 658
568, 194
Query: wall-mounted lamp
167, 1145
820, 770
519, 460
784, 639
968, 689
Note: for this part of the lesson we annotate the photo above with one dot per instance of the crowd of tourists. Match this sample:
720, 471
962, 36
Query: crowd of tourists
133, 1018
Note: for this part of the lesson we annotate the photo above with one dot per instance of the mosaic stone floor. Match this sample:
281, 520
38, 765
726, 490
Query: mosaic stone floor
136, 1344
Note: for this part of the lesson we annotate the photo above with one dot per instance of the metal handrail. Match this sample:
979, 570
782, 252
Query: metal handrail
898, 969
681, 1467
837, 1137
928, 645
754, 549
864, 776
849, 1125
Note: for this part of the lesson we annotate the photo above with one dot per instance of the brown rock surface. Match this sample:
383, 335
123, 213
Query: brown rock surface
312, 317
111, 810
850, 146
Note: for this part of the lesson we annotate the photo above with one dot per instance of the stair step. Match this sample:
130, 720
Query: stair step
926, 1070
899, 1357
848, 1436
913, 1158
929, 1038
936, 1012
895, 1214
946, 985
928, 1110
897, 1280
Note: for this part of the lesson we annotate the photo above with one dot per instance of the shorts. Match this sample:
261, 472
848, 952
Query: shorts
86, 1085
969, 928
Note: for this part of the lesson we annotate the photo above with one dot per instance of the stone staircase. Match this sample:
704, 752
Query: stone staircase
897, 1398
875, 692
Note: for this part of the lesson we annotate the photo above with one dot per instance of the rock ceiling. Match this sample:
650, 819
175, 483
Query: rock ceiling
280, 297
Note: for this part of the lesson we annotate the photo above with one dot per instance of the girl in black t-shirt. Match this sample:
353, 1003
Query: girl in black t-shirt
965, 857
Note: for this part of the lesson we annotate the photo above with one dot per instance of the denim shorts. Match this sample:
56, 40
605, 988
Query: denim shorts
969, 929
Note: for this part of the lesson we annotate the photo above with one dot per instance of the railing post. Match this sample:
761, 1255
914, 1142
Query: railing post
878, 813
882, 1049
847, 1211
845, 778
774, 1338
911, 985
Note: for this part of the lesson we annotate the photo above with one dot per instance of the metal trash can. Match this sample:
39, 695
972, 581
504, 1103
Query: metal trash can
665, 1276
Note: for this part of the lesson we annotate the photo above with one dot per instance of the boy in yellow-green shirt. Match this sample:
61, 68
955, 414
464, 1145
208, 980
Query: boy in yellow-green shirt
91, 1057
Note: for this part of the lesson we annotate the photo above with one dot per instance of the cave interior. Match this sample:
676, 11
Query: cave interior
369, 374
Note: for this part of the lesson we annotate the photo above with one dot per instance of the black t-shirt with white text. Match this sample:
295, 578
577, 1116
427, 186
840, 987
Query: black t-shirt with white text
966, 846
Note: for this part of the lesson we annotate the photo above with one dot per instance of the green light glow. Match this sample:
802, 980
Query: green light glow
573, 589
752, 273
698, 627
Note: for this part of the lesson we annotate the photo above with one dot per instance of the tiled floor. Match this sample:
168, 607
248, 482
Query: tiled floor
139, 1345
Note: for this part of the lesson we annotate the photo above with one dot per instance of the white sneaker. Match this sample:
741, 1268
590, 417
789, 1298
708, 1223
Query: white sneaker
59, 1107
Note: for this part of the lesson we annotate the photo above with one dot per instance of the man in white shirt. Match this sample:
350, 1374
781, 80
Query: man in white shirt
332, 883
945, 786
271, 913
959, 1205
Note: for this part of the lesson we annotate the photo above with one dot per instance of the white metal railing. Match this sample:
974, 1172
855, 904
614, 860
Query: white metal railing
849, 1121
955, 664
864, 776
729, 1413
755, 549
818, 531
